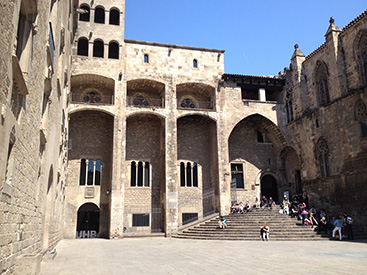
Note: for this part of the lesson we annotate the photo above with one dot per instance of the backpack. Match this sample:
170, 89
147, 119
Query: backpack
349, 220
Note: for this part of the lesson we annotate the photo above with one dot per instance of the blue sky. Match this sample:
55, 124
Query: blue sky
258, 35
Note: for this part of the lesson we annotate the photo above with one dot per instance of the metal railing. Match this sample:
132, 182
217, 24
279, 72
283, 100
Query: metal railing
96, 100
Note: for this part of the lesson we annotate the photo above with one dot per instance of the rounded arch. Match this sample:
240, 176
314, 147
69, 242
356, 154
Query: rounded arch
98, 48
144, 92
113, 50
99, 14
114, 16
90, 109
277, 175
148, 114
195, 95
84, 16
197, 113
83, 46
100, 86
88, 217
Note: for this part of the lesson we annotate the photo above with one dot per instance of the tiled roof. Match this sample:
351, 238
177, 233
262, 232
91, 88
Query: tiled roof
354, 21
319, 49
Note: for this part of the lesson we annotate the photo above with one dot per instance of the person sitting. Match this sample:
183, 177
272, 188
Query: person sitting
233, 208
222, 222
264, 202
304, 217
257, 203
264, 232
271, 203
323, 225
241, 208
286, 205
248, 206
294, 211
312, 219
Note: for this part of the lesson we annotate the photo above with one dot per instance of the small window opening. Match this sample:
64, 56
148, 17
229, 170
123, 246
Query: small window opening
97, 176
90, 172
195, 175
98, 48
83, 47
182, 174
99, 15
195, 63
114, 17
133, 174
146, 174
83, 170
146, 58
188, 174
189, 217
140, 219
260, 137
237, 174
84, 15
113, 50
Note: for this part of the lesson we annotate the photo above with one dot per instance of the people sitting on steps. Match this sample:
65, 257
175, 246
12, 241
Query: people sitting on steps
222, 222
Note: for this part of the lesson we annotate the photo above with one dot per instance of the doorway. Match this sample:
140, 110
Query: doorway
269, 187
88, 221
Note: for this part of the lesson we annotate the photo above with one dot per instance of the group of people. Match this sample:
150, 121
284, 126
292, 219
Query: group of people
241, 207
299, 208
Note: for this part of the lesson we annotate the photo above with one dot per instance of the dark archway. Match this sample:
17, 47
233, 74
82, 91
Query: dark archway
88, 221
269, 187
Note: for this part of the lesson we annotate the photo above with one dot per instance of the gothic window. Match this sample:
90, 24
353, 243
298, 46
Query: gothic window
237, 174
140, 101
99, 15
98, 48
187, 103
289, 107
84, 13
322, 83
113, 50
195, 63
92, 97
83, 46
140, 174
114, 17
361, 51
189, 174
361, 117
322, 153
146, 58
90, 172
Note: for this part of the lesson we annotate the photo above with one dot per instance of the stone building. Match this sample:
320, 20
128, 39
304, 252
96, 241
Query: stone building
107, 137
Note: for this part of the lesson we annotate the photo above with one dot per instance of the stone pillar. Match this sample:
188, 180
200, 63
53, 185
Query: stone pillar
171, 200
262, 94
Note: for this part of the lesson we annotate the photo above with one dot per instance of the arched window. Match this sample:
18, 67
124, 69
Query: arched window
146, 58
99, 15
97, 173
322, 83
98, 48
361, 116
289, 107
140, 174
90, 172
114, 17
182, 174
84, 14
189, 174
83, 47
322, 154
83, 170
362, 57
113, 50
195, 63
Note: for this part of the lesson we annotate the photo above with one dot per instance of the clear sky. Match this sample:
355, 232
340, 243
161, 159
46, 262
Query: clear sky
258, 35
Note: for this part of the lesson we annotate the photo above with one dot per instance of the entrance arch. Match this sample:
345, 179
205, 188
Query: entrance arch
88, 221
269, 187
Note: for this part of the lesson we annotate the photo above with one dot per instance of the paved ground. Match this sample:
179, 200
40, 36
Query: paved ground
177, 256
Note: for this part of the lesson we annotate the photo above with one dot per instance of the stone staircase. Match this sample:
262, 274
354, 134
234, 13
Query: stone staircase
247, 227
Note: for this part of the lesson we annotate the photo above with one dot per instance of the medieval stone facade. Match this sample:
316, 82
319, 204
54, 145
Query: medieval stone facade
107, 137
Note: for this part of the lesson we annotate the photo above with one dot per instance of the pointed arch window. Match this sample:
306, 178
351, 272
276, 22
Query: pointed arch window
322, 154
362, 57
361, 116
289, 107
322, 85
